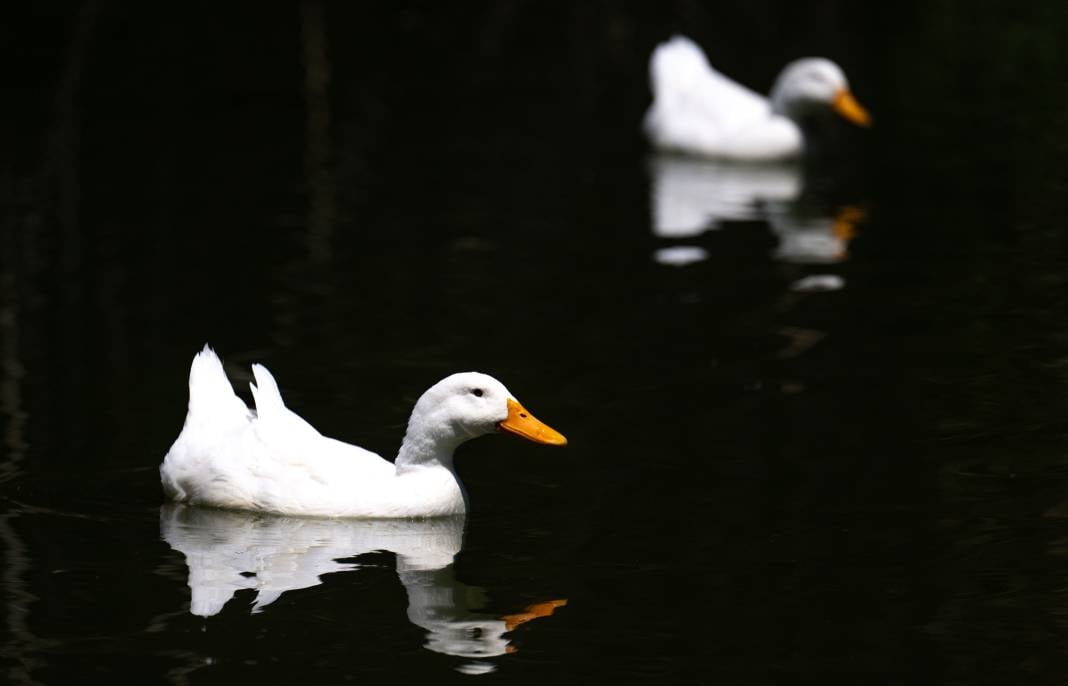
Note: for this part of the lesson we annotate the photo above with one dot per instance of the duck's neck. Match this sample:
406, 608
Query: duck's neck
784, 97
421, 449
783, 104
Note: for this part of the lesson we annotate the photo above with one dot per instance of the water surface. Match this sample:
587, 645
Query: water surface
766, 482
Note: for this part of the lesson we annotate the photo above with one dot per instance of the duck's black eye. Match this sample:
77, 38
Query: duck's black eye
477, 392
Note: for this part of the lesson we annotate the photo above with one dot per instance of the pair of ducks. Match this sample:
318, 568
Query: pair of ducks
272, 460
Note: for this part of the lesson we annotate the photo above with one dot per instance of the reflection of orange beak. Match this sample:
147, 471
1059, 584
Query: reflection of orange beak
543, 609
846, 220
522, 423
846, 105
845, 227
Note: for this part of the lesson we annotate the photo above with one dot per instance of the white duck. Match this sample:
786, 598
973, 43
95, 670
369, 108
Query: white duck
272, 460
699, 111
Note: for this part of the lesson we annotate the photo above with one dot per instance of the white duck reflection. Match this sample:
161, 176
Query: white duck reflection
806, 238
691, 196
229, 551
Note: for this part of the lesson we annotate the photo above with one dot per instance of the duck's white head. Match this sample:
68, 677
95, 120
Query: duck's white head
814, 82
465, 406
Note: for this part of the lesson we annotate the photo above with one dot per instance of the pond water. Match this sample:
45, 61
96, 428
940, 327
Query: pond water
815, 412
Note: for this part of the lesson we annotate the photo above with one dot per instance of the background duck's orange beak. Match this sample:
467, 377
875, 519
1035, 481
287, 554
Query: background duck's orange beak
846, 105
522, 423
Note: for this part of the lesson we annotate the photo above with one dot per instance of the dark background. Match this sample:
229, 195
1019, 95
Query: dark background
368, 197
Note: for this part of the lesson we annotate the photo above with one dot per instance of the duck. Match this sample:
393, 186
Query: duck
697, 110
272, 460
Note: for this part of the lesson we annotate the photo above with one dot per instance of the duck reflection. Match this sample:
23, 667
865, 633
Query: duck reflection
230, 551
810, 238
691, 196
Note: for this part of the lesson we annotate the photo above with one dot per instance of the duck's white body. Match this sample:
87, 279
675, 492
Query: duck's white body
272, 460
699, 111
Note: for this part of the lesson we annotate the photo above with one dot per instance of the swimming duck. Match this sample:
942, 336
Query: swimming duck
272, 460
699, 111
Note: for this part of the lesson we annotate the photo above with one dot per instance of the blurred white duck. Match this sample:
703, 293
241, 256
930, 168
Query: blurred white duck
699, 111
272, 460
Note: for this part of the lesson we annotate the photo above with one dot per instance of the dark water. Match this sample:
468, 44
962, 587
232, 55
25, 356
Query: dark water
765, 484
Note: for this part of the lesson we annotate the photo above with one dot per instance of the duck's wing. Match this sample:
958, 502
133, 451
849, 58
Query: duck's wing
275, 424
694, 106
291, 440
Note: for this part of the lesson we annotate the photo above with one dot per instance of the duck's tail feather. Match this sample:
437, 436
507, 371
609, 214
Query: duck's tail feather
676, 66
266, 394
276, 424
211, 397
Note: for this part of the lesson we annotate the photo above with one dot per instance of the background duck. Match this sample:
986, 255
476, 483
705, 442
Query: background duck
272, 460
697, 110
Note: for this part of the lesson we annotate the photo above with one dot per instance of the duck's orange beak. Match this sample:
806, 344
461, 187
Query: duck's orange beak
522, 423
846, 105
